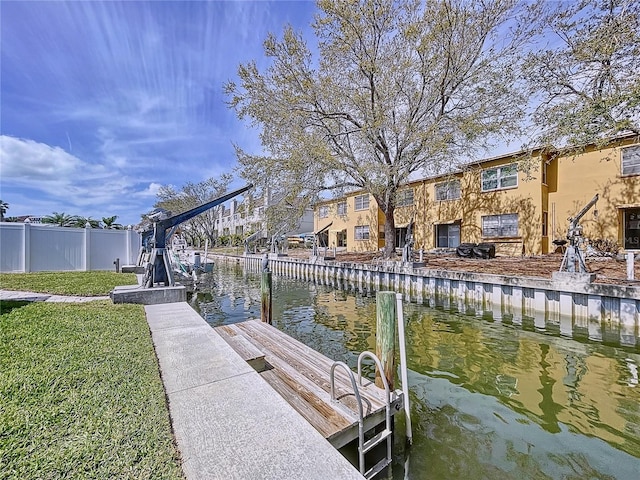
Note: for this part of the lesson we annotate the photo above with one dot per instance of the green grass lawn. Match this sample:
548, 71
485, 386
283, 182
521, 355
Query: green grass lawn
90, 284
81, 395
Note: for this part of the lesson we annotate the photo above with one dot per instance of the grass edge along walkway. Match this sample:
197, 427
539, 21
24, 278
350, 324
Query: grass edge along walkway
89, 284
81, 394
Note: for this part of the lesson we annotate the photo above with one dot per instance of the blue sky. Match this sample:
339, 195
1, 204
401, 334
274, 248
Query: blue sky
104, 101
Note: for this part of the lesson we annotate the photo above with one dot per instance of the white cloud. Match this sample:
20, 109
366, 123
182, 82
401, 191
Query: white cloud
35, 174
150, 191
27, 161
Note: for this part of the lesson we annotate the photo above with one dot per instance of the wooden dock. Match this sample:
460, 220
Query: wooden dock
302, 377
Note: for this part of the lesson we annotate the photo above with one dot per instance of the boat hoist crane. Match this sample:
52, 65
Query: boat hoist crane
573, 253
158, 268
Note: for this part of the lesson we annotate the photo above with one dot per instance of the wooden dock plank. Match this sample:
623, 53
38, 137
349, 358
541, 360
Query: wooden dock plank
325, 420
247, 350
315, 365
307, 369
301, 376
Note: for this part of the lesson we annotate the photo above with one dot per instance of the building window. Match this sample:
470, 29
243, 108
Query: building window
500, 225
361, 202
448, 190
448, 235
342, 208
631, 160
405, 198
500, 177
632, 229
362, 232
545, 166
323, 211
545, 224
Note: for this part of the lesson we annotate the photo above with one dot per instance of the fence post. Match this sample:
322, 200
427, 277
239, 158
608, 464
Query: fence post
87, 247
127, 246
386, 335
26, 245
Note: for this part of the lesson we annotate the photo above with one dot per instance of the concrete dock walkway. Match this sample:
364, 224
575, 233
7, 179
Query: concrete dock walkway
229, 423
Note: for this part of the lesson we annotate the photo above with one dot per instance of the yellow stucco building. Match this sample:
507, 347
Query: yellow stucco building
496, 200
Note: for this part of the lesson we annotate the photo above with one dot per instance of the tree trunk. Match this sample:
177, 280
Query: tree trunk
389, 232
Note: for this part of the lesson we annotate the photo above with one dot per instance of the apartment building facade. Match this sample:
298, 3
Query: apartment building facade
496, 200
249, 216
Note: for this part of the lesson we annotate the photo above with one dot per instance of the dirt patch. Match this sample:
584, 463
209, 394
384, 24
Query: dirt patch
607, 270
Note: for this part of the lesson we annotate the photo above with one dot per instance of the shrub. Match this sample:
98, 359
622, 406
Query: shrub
604, 246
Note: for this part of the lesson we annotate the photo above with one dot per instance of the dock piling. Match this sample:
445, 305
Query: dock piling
386, 336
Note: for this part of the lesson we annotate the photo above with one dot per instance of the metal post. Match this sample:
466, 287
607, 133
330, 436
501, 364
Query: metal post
386, 335
265, 288
403, 367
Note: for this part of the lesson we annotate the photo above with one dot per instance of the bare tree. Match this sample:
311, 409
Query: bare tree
398, 87
190, 196
585, 73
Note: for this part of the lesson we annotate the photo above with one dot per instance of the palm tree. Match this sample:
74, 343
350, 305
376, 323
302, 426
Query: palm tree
81, 222
110, 223
60, 219
4, 206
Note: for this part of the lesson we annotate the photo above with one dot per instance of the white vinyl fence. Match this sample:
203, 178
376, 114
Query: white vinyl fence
28, 247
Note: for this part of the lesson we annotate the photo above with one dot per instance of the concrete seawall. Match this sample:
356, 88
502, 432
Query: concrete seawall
600, 312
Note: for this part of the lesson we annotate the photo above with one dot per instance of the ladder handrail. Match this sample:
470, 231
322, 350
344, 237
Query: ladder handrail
360, 412
371, 355
353, 384
387, 393
386, 433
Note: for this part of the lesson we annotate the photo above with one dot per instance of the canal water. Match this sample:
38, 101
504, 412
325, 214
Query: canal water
488, 400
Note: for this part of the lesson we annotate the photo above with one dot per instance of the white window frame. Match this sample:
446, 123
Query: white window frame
502, 176
631, 164
447, 190
361, 202
405, 197
361, 232
323, 211
341, 208
500, 226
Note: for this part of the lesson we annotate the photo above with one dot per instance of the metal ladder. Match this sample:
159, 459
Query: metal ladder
365, 446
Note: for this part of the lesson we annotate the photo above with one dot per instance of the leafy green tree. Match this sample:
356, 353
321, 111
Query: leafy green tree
60, 219
82, 222
4, 206
586, 75
110, 223
398, 87
190, 196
